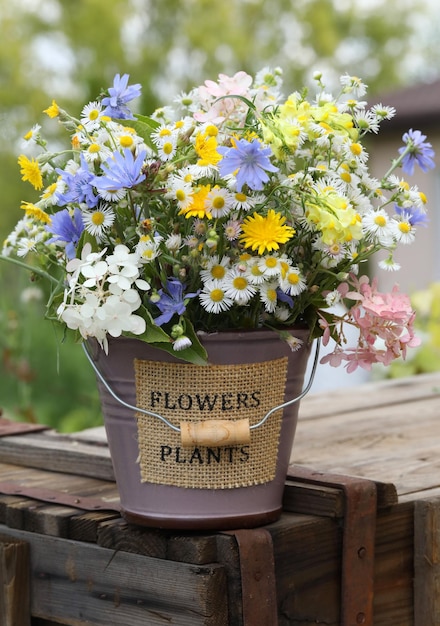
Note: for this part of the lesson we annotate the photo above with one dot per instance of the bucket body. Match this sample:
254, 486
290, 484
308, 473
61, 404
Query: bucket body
163, 484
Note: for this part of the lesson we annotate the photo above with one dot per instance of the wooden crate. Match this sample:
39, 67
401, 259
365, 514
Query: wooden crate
90, 567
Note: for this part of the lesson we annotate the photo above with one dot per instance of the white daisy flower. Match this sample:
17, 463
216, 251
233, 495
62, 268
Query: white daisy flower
389, 264
219, 202
91, 116
147, 248
268, 296
238, 287
378, 226
181, 343
404, 232
174, 242
242, 202
180, 190
270, 265
98, 220
213, 297
292, 282
167, 150
214, 268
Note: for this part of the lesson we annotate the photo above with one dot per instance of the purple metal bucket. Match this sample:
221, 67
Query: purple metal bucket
168, 506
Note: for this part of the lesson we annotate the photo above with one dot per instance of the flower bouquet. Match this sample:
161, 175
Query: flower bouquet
233, 207
203, 229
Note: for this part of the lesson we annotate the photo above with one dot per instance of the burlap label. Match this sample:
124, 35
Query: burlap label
192, 393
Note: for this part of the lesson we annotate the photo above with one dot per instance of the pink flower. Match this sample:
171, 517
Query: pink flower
385, 322
217, 110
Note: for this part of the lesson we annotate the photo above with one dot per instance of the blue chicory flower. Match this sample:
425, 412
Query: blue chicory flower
173, 302
284, 297
119, 95
421, 152
67, 229
121, 171
79, 186
251, 160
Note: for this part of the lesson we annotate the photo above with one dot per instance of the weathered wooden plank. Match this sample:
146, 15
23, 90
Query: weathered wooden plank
398, 444
192, 548
55, 452
370, 395
85, 526
427, 562
75, 583
313, 500
116, 534
14, 582
393, 570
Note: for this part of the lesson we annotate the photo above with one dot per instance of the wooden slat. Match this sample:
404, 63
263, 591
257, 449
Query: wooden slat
75, 583
14, 582
427, 562
370, 396
58, 453
394, 444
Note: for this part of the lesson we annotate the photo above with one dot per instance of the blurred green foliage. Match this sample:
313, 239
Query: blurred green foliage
426, 358
56, 49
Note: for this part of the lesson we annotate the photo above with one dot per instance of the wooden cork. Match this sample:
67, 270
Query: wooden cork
215, 433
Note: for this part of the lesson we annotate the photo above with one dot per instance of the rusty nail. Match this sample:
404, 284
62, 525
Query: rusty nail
360, 618
362, 553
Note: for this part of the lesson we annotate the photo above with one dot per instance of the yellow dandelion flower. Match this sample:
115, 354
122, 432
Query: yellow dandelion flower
53, 110
36, 212
265, 233
30, 170
206, 148
197, 207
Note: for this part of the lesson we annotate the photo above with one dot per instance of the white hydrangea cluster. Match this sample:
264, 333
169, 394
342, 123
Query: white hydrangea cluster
102, 294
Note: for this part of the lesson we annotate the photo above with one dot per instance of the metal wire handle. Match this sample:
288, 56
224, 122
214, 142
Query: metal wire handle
305, 390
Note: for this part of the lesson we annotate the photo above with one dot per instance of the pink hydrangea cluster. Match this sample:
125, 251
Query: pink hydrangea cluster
385, 322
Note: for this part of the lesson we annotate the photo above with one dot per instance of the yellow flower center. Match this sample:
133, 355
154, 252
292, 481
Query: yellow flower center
94, 148
126, 141
98, 218
217, 295
218, 202
240, 197
271, 262
212, 130
180, 195
240, 283
356, 149
167, 147
405, 227
380, 220
218, 271
293, 278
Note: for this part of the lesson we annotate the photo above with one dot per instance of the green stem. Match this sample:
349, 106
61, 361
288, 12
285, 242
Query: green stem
30, 268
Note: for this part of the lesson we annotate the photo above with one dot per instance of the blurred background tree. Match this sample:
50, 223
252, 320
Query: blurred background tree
56, 49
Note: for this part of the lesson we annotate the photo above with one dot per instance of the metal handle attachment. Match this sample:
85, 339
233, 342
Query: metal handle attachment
209, 432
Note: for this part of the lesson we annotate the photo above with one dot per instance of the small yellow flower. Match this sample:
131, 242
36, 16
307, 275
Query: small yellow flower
265, 233
206, 148
197, 207
30, 170
36, 212
53, 110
